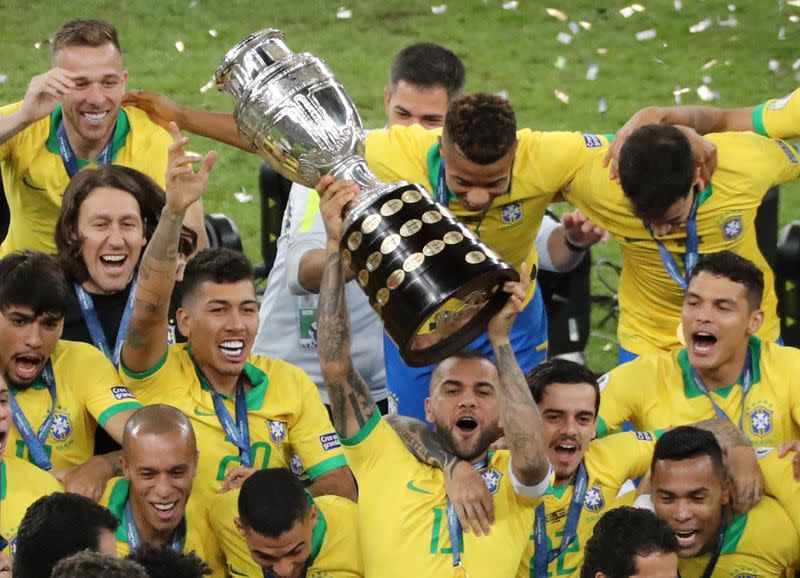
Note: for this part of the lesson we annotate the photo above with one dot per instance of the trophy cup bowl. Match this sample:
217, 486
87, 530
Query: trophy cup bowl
434, 284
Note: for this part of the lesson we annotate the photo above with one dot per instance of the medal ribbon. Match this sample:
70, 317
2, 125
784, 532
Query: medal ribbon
747, 384
134, 539
96, 329
541, 555
692, 249
36, 442
70, 159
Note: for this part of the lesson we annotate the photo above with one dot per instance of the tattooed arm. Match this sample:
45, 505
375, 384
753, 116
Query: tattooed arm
146, 339
519, 415
351, 402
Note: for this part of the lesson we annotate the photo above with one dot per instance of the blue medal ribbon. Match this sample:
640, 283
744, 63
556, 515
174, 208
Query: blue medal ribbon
134, 538
3, 543
454, 526
692, 249
36, 442
70, 159
747, 384
96, 329
541, 555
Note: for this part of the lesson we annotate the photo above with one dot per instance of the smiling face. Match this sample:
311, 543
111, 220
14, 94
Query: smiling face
5, 415
717, 320
160, 469
690, 496
569, 423
286, 555
90, 109
26, 342
112, 233
475, 185
463, 406
409, 104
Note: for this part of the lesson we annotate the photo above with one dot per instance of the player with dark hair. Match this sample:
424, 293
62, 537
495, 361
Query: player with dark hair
248, 412
690, 491
161, 562
282, 531
88, 564
631, 543
57, 526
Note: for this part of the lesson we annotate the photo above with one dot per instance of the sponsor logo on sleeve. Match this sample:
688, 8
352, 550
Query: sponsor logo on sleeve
780, 103
787, 151
644, 436
121, 392
329, 441
592, 140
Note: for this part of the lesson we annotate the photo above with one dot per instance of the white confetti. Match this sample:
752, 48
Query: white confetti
678, 5
626, 12
585, 25
208, 86
602, 51
729, 22
344, 13
701, 26
793, 2
706, 93
560, 63
678, 92
709, 64
37, 45
3, 78
591, 72
502, 94
774, 65
731, 7
782, 33
179, 46
564, 37
243, 196
794, 18
562, 96
648, 34
439, 8
510, 5
213, 33
193, 4
556, 13
574, 28
796, 64
602, 107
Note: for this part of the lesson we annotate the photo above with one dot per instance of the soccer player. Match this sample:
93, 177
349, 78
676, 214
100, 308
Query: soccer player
248, 412
58, 526
88, 564
690, 492
631, 543
663, 214
61, 390
469, 397
167, 563
724, 371
21, 483
159, 463
282, 531
71, 117
781, 478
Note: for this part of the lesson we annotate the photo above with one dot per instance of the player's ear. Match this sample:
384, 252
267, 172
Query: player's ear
755, 321
238, 521
182, 318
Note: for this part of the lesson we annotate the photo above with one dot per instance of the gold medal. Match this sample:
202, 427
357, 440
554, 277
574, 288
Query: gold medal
459, 572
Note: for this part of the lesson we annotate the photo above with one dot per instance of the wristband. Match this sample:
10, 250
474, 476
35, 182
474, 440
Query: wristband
573, 247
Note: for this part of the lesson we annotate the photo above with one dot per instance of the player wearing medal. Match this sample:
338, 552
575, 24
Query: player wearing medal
71, 117
664, 216
690, 492
469, 394
248, 412
159, 463
724, 371
61, 390
282, 532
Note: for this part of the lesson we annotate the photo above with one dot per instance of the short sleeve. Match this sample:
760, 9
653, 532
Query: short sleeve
154, 385
105, 395
620, 390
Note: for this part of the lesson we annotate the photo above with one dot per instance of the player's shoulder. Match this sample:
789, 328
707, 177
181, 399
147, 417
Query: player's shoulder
277, 370
336, 507
779, 356
645, 370
21, 474
141, 125
79, 355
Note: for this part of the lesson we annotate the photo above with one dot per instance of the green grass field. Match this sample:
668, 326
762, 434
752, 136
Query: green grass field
513, 50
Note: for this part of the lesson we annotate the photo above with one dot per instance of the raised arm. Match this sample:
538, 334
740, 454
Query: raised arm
162, 110
41, 98
351, 402
519, 415
146, 340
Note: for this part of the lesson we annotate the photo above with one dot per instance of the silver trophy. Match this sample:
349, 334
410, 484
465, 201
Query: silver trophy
433, 283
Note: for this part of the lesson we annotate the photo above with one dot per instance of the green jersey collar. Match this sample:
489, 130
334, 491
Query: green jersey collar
121, 130
690, 388
116, 504
258, 378
317, 534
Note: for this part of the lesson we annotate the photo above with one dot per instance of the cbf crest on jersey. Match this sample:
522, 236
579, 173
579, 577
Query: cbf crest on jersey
491, 478
593, 501
277, 430
62, 427
761, 421
511, 212
732, 228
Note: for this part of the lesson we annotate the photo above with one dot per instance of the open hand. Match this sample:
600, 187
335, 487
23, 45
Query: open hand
184, 186
472, 501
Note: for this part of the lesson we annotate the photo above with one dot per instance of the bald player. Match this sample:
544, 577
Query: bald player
159, 463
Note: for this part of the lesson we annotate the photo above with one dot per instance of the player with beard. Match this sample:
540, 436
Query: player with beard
468, 396
159, 463
248, 412
724, 371
690, 491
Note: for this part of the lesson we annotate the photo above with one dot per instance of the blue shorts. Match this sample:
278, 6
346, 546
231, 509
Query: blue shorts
408, 386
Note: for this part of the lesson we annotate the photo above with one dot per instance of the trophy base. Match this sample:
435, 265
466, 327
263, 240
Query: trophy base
434, 284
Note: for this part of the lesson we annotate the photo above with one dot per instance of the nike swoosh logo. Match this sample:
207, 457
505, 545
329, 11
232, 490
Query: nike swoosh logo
410, 485
25, 181
235, 572
198, 411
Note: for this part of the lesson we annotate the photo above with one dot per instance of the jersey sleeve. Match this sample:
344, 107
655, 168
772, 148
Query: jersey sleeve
625, 455
155, 384
376, 450
304, 233
757, 163
620, 393
779, 117
399, 153
779, 481
7, 147
104, 394
311, 434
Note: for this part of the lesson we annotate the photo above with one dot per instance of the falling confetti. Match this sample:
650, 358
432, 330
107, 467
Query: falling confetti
38, 45
3, 78
706, 93
511, 5
629, 11
243, 196
602, 107
774, 65
701, 26
344, 13
646, 35
574, 28
591, 72
208, 86
585, 25
793, 3
729, 22
213, 33
678, 5
562, 96
782, 33
564, 37
709, 64
794, 18
556, 13
678, 92
796, 64
179, 46
193, 4
560, 63
439, 8
502, 94
602, 51
731, 7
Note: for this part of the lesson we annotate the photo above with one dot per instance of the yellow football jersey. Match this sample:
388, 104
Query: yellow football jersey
779, 481
285, 417
335, 548
779, 117
35, 179
650, 301
543, 164
199, 536
402, 512
762, 543
657, 391
609, 462
21, 484
84, 399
